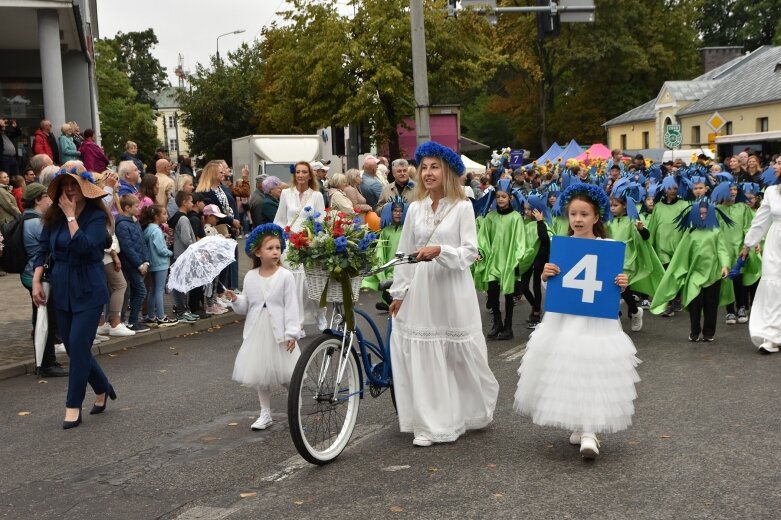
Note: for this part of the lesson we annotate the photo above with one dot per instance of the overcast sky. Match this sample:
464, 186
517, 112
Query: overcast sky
188, 27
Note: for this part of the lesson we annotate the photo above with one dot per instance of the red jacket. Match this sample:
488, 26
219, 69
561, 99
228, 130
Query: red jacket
41, 144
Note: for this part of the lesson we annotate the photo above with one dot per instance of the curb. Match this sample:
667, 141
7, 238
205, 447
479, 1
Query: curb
153, 336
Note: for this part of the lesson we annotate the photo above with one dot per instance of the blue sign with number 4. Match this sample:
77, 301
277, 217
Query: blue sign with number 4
586, 285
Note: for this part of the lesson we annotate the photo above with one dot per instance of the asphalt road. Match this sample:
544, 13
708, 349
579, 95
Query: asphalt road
177, 445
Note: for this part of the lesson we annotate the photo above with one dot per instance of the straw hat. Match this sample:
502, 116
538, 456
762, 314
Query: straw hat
85, 179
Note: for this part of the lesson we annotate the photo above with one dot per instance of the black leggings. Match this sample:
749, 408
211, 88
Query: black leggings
493, 299
533, 296
706, 304
741, 295
628, 297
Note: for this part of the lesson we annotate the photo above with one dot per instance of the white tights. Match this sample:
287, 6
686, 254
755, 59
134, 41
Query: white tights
264, 395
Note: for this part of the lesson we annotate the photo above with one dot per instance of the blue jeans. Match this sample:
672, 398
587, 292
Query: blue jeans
154, 300
135, 281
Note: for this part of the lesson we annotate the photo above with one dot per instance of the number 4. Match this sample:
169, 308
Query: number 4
589, 283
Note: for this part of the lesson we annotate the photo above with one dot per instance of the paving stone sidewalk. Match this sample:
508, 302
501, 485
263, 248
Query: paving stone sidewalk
17, 354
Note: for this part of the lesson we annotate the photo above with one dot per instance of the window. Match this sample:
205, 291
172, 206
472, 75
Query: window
696, 135
646, 140
623, 141
171, 122
762, 124
728, 128
172, 145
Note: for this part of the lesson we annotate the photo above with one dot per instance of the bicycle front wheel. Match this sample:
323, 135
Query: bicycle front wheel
322, 404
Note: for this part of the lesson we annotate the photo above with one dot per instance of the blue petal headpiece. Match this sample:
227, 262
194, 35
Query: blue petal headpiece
629, 194
434, 149
259, 232
538, 202
690, 217
721, 193
749, 187
386, 215
769, 177
595, 193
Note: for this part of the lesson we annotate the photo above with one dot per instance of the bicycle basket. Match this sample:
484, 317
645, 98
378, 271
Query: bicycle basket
316, 280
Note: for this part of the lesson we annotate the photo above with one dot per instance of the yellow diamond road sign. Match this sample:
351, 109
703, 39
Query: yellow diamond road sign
716, 122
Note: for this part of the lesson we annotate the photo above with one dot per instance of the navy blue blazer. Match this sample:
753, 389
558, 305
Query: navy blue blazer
78, 281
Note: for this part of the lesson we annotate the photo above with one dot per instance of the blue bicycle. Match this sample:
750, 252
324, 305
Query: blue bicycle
328, 381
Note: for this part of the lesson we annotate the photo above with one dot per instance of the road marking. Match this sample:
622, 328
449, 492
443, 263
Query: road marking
514, 353
295, 463
206, 513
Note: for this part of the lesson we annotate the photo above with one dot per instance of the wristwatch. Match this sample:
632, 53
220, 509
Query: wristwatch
70, 219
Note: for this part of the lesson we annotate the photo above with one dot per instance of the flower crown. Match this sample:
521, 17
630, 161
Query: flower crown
595, 193
434, 149
87, 176
257, 234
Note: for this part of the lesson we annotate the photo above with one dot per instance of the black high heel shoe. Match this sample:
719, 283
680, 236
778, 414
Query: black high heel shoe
67, 425
100, 409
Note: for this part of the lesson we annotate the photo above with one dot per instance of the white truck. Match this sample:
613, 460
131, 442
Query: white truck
274, 154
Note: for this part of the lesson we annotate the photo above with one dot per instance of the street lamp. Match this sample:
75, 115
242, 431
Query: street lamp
239, 31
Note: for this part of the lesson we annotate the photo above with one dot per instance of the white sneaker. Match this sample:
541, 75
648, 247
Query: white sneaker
589, 446
104, 329
322, 323
121, 330
263, 422
574, 438
101, 337
637, 320
59, 348
422, 441
768, 347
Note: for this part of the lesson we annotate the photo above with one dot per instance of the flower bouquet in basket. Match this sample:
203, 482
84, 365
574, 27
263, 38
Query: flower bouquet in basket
334, 249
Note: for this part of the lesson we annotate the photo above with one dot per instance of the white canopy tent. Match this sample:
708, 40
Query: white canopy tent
472, 166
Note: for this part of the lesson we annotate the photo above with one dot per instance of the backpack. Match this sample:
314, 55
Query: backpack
14, 256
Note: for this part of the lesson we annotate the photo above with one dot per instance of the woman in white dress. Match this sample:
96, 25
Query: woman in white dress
296, 204
441, 377
764, 323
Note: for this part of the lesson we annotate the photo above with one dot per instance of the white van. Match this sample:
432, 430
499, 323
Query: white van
686, 154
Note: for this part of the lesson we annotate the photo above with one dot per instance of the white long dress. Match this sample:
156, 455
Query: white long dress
764, 322
263, 359
441, 376
291, 213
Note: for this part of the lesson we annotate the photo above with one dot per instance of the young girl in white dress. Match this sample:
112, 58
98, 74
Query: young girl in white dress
441, 377
269, 352
578, 372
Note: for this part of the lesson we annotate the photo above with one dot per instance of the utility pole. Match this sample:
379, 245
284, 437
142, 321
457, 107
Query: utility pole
420, 72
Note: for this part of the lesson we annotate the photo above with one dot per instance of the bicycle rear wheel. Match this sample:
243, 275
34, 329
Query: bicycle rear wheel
321, 410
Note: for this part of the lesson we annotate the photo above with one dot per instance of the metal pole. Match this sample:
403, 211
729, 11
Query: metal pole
239, 31
420, 72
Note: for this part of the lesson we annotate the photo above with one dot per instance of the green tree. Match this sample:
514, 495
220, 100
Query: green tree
122, 117
220, 105
568, 86
745, 23
322, 67
134, 58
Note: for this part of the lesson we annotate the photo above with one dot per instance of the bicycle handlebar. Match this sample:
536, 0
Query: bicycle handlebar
399, 259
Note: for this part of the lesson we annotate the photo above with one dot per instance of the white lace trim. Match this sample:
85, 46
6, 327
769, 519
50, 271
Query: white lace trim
436, 334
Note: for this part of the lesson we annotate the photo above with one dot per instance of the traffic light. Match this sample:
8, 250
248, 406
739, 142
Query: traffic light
548, 25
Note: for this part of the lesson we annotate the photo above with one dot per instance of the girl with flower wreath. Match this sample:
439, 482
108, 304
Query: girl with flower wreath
578, 372
269, 351
441, 377
296, 204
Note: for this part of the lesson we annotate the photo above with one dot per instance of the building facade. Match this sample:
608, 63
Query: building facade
48, 65
170, 130
743, 96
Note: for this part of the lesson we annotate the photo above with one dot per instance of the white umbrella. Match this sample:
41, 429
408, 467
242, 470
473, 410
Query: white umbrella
42, 326
201, 263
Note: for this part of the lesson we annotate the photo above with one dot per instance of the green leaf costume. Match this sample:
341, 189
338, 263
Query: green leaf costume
500, 242
560, 226
664, 232
385, 251
641, 264
531, 245
696, 264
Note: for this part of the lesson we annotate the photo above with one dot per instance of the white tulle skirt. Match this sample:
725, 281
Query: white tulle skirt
764, 323
262, 361
578, 373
